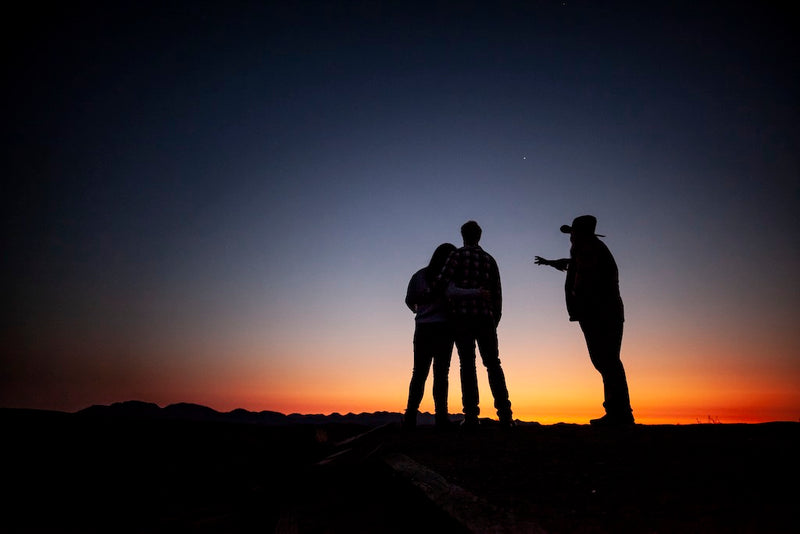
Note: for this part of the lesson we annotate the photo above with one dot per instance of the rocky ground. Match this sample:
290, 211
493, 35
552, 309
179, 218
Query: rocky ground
64, 473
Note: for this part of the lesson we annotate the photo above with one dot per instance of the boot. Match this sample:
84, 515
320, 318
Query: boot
410, 420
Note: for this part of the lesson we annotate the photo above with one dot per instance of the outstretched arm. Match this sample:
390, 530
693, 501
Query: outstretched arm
561, 264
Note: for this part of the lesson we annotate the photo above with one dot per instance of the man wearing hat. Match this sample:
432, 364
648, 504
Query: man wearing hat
593, 300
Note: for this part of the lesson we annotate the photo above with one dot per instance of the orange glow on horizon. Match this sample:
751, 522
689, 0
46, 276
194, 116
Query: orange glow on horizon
550, 380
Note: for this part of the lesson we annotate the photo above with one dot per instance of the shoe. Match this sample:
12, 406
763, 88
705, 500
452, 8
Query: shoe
508, 423
409, 421
470, 423
444, 423
506, 418
613, 420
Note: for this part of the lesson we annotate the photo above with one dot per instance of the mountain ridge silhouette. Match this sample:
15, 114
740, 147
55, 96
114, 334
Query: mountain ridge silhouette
197, 412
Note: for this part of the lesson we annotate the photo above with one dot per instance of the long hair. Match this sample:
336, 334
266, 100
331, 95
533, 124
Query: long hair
437, 262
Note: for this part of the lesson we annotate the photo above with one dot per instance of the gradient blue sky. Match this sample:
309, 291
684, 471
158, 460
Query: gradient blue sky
222, 203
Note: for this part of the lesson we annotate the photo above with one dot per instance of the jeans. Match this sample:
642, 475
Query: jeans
468, 331
433, 342
604, 341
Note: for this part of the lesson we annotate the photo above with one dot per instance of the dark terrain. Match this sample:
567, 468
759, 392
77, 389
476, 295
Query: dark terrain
129, 471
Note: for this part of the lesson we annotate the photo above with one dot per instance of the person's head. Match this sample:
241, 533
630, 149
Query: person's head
438, 259
471, 233
582, 228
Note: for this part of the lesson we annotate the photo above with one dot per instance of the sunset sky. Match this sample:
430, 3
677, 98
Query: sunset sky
223, 202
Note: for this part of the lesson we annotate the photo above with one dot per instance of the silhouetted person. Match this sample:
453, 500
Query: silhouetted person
475, 319
433, 335
593, 299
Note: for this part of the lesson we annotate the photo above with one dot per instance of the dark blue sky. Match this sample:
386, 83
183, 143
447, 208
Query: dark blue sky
226, 175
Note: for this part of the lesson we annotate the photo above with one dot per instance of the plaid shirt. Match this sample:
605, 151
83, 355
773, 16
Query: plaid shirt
471, 267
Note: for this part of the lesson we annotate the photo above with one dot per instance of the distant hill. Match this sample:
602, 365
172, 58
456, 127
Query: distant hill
196, 412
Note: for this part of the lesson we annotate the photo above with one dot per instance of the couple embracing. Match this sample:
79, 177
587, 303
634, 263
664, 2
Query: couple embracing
457, 300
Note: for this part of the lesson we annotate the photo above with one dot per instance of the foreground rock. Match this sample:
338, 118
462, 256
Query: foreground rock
70, 473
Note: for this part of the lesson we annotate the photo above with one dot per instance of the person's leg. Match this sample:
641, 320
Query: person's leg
422, 363
490, 355
465, 344
442, 354
604, 341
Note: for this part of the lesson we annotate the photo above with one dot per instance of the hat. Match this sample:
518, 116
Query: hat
585, 224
